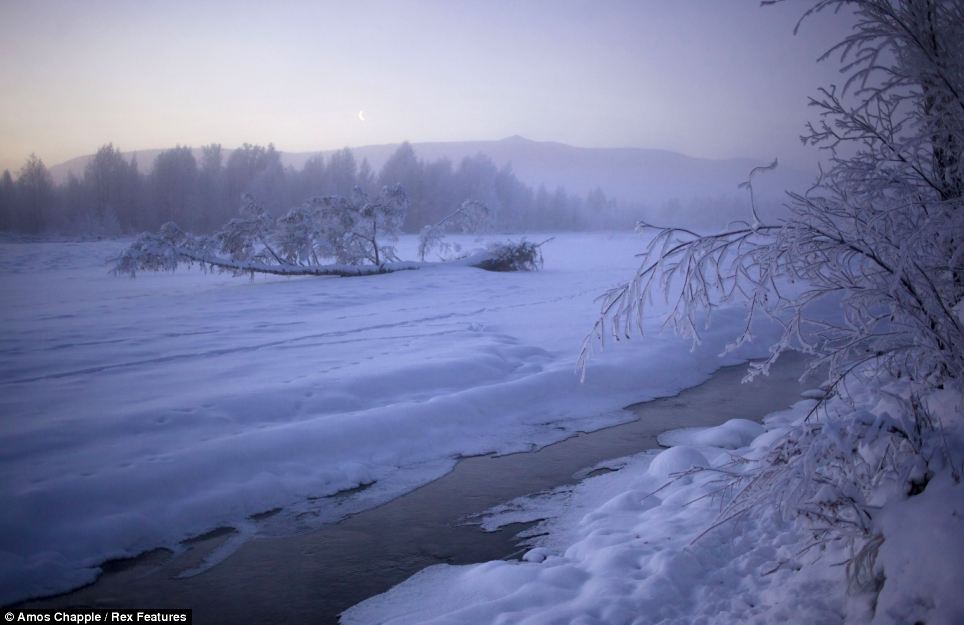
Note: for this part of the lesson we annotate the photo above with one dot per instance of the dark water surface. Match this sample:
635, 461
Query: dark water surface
313, 576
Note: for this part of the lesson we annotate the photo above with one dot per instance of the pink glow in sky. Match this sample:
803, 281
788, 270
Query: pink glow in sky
704, 78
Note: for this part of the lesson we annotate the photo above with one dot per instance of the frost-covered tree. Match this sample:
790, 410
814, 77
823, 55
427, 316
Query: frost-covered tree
7, 201
879, 239
403, 168
365, 179
246, 238
341, 173
881, 230
326, 236
114, 196
173, 186
470, 216
313, 178
34, 195
476, 178
256, 170
210, 187
356, 233
370, 226
112, 184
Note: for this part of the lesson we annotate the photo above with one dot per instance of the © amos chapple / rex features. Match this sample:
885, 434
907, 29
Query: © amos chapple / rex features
98, 616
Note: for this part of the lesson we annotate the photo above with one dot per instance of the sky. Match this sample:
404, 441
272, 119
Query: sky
708, 78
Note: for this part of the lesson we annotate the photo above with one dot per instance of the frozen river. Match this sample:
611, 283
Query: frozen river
314, 575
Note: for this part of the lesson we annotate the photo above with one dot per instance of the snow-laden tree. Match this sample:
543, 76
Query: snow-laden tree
470, 216
326, 236
33, 193
113, 185
172, 187
878, 240
374, 224
331, 235
882, 230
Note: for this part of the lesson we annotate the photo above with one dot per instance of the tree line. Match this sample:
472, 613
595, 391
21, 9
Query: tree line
113, 196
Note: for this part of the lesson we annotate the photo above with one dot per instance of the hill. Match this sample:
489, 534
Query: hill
630, 174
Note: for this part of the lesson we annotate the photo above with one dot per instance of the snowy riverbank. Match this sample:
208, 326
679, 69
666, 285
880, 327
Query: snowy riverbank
658, 542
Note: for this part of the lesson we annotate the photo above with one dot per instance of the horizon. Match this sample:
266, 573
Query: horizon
393, 144
685, 78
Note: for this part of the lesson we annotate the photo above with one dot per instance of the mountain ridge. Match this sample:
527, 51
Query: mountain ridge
630, 174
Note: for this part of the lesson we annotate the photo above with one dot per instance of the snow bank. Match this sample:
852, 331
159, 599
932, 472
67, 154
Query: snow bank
636, 547
922, 556
730, 435
625, 547
677, 460
138, 413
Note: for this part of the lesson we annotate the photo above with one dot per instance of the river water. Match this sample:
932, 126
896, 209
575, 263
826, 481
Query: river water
311, 577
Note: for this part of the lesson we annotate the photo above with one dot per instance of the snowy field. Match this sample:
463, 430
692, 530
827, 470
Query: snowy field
139, 413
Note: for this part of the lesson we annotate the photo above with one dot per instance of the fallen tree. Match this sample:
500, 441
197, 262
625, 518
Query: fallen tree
326, 236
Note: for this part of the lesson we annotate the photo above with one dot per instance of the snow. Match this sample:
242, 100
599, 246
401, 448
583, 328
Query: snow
730, 435
139, 413
921, 554
677, 460
625, 547
928, 589
647, 544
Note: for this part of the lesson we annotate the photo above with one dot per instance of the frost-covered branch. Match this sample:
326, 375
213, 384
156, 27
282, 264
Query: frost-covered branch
470, 216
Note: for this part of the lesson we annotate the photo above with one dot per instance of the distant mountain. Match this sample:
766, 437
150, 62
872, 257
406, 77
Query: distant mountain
630, 174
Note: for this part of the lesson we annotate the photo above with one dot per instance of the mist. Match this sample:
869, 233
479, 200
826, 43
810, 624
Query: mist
526, 185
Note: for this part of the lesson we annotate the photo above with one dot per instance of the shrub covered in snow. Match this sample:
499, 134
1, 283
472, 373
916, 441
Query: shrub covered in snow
511, 256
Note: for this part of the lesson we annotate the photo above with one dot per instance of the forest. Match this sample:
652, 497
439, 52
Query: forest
117, 195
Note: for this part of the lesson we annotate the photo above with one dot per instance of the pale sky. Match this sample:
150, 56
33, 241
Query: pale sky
712, 78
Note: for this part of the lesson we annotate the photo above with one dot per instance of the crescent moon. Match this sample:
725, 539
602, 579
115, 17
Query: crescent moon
361, 115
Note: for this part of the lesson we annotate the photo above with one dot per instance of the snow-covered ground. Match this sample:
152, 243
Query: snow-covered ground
138, 413
649, 544
623, 547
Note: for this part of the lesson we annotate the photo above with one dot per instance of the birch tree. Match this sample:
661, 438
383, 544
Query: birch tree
879, 238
